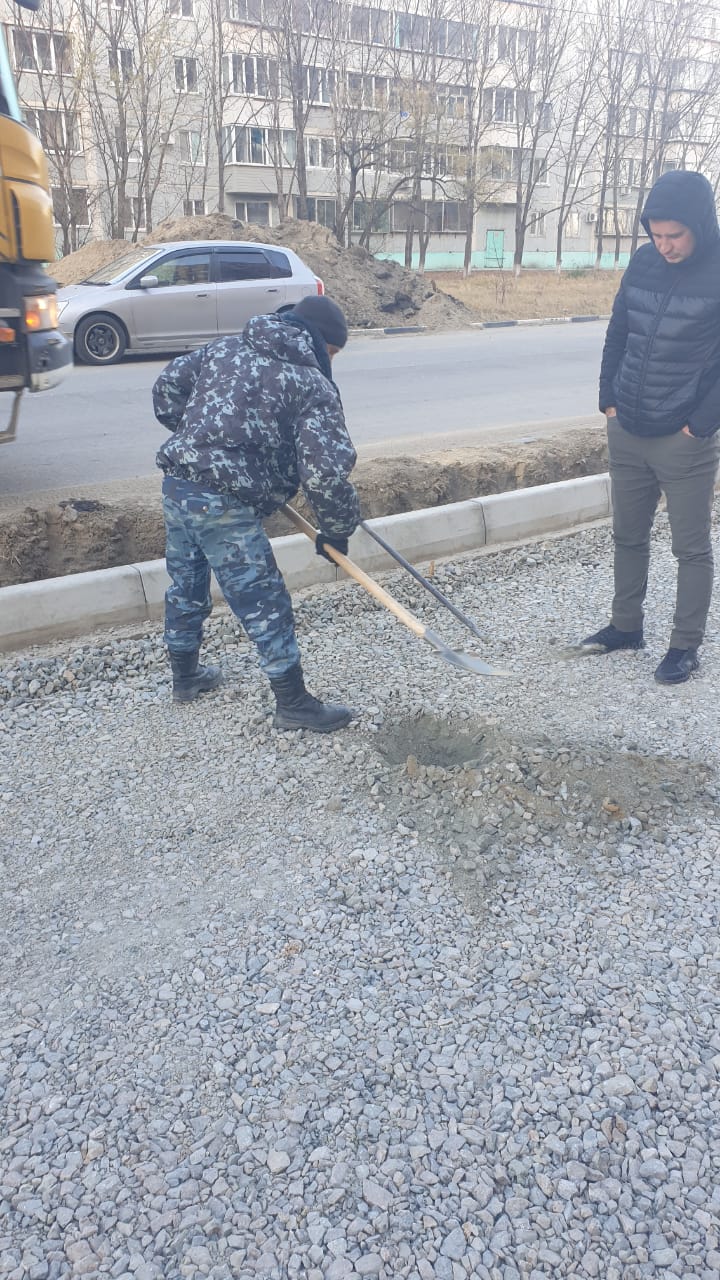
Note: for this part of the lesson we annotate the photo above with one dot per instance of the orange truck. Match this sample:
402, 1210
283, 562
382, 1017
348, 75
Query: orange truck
34, 355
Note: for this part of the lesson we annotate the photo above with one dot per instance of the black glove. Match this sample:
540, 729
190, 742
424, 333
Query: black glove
333, 540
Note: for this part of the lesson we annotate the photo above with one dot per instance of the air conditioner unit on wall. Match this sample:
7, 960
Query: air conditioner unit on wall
168, 139
591, 217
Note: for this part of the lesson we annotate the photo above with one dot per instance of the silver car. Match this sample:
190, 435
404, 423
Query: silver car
172, 297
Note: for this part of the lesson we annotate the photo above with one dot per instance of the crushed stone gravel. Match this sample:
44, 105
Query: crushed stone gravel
436, 997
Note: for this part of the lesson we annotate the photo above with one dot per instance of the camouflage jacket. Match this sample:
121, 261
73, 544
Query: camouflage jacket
253, 416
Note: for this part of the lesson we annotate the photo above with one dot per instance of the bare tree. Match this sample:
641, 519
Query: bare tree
366, 116
679, 89
580, 109
536, 57
620, 23
481, 19
141, 80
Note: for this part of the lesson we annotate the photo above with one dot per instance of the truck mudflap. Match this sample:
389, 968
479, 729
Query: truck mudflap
50, 356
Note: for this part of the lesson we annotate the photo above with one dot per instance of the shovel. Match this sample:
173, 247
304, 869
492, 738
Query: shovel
424, 582
456, 658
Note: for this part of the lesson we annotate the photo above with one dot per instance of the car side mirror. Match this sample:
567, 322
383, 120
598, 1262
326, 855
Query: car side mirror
149, 282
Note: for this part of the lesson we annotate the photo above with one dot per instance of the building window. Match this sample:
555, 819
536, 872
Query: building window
319, 84
190, 146
256, 12
367, 215
573, 224
623, 223
451, 101
122, 63
369, 26
436, 35
576, 176
320, 153
536, 222
402, 156
514, 42
507, 164
186, 75
135, 213
254, 209
322, 211
70, 208
245, 144
370, 92
42, 51
57, 130
181, 8
436, 216
256, 77
193, 208
127, 149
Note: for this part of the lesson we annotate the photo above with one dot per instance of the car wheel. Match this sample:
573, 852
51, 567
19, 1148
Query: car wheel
100, 339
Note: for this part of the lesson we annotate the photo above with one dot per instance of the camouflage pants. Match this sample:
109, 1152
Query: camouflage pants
207, 530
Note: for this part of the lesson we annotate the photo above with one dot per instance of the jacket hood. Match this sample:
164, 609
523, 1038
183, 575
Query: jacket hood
271, 336
684, 196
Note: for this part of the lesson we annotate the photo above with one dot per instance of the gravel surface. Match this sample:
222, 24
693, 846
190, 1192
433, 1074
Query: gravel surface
434, 997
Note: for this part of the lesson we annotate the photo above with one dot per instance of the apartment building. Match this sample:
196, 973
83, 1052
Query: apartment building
411, 129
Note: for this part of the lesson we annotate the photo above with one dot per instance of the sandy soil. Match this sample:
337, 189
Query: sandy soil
110, 525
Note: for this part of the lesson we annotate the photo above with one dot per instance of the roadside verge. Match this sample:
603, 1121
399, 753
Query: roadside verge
37, 612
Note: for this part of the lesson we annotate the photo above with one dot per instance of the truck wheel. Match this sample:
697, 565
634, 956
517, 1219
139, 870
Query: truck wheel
100, 339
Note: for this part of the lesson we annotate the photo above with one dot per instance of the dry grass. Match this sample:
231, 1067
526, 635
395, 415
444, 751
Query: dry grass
497, 295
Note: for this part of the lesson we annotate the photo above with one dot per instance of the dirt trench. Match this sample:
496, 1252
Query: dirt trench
88, 532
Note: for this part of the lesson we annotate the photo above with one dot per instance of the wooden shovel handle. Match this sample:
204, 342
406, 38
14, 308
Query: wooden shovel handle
348, 566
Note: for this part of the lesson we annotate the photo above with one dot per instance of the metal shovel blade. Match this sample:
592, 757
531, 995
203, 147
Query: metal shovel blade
456, 658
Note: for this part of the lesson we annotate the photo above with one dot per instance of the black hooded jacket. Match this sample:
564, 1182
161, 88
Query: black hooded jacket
661, 361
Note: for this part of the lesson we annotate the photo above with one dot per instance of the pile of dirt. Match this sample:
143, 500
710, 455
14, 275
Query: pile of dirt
373, 293
91, 257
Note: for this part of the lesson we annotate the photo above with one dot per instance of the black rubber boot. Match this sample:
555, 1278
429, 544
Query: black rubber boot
189, 679
297, 709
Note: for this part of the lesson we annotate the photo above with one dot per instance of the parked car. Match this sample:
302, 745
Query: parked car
172, 297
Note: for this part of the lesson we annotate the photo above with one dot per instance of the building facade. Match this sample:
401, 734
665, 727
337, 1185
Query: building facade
439, 133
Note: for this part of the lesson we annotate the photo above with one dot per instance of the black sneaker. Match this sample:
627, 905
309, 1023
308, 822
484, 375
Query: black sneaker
677, 666
608, 639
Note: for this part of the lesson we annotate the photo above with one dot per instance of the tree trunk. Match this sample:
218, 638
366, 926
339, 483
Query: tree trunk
469, 233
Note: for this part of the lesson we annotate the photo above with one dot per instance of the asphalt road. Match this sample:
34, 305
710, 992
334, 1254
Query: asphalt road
402, 394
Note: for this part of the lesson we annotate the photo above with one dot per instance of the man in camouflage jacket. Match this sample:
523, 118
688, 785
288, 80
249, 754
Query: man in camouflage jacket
254, 418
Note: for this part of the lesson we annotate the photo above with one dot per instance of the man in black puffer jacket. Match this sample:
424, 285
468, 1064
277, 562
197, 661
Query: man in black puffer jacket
660, 391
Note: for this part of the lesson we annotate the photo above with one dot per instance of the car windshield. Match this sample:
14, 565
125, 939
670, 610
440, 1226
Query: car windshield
113, 270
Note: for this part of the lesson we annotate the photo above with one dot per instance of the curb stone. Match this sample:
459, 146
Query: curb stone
476, 324
38, 612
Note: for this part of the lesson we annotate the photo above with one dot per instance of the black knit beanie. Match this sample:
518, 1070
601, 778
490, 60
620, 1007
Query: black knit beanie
325, 316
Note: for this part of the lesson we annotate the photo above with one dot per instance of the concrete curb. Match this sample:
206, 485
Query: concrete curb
37, 612
475, 324
510, 324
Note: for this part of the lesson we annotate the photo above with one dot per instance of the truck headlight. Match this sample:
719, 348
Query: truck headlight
41, 312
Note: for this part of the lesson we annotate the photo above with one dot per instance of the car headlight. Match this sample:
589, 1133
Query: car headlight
41, 312
62, 306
